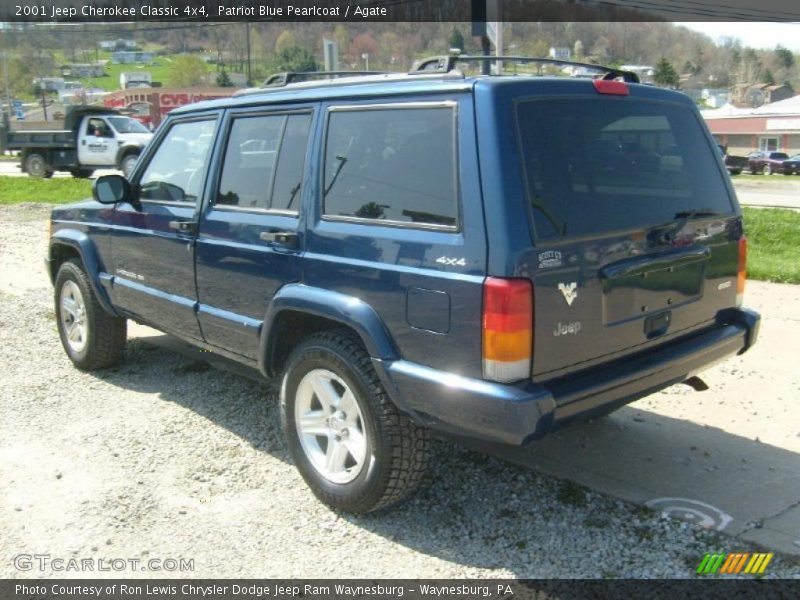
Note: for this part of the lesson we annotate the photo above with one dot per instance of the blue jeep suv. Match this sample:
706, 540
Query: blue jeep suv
489, 256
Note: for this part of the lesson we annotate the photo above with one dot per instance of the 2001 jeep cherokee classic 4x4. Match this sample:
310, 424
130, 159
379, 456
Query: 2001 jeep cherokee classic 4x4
475, 254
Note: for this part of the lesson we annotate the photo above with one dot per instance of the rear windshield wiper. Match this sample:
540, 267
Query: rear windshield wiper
696, 212
560, 226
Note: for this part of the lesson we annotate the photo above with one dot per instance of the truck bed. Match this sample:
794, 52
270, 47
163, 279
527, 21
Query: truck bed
19, 140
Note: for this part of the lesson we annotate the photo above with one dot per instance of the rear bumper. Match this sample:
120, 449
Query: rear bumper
520, 413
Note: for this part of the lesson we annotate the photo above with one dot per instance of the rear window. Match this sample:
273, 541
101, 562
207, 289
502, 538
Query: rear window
594, 164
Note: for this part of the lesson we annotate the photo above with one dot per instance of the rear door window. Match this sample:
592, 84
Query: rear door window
594, 165
392, 165
264, 160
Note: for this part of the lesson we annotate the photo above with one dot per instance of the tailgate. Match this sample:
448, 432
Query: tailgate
635, 230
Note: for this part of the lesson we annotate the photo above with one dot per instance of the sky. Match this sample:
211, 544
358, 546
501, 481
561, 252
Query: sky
756, 35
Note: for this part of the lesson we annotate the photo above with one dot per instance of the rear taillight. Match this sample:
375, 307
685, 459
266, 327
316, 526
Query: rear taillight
507, 329
742, 272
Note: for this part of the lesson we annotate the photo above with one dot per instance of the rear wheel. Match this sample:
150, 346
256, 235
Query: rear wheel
36, 166
91, 337
354, 448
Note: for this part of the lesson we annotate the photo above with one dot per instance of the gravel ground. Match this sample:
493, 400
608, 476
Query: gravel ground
165, 457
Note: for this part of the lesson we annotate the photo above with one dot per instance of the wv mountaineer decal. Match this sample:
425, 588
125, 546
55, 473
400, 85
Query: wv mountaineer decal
570, 291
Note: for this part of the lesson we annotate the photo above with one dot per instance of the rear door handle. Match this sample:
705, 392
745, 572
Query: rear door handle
287, 239
183, 226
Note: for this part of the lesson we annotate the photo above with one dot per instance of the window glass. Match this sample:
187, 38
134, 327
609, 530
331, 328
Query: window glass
594, 165
264, 161
175, 172
127, 125
99, 128
392, 164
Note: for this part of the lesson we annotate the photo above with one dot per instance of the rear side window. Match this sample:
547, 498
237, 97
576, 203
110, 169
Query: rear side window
264, 159
594, 165
393, 165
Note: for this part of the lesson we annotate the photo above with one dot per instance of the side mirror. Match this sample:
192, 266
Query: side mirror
110, 189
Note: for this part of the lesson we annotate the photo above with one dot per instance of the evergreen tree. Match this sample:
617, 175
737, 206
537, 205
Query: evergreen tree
666, 75
456, 39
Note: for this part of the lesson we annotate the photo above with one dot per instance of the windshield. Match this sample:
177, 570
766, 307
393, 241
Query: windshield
127, 125
596, 165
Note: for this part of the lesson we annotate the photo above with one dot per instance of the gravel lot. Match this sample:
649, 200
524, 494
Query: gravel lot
165, 457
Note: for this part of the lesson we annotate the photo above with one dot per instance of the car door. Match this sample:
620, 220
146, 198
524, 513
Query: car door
250, 238
154, 238
98, 145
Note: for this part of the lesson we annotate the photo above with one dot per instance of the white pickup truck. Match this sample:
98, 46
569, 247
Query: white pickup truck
93, 138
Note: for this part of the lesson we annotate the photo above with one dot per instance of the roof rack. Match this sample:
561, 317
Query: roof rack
447, 64
287, 77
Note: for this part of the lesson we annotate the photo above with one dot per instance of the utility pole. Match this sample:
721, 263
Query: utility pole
5, 80
247, 38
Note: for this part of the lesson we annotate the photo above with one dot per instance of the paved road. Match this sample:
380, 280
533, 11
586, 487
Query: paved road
769, 198
8, 167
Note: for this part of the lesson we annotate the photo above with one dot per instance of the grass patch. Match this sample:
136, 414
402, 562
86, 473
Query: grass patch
14, 190
572, 494
773, 244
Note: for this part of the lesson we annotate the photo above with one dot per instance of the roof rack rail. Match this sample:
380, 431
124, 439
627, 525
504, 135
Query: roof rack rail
446, 64
287, 77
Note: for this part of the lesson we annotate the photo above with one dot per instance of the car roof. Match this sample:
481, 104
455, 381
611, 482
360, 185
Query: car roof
393, 85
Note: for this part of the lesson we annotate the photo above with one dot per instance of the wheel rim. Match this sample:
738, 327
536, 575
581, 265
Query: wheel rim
767, 170
330, 426
128, 165
73, 316
36, 166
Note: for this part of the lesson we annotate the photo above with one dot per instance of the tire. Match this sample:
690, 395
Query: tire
736, 171
127, 164
766, 170
97, 340
36, 166
380, 454
82, 173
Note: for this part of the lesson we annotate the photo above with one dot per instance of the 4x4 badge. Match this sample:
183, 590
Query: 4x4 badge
570, 291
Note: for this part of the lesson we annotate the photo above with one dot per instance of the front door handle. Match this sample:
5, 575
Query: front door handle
287, 239
183, 226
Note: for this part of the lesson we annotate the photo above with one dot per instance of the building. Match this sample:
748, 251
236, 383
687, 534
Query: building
560, 53
753, 95
137, 79
151, 105
126, 57
81, 70
774, 126
118, 44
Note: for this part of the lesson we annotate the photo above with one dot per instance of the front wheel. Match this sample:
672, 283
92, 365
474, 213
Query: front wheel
767, 170
354, 448
128, 163
91, 337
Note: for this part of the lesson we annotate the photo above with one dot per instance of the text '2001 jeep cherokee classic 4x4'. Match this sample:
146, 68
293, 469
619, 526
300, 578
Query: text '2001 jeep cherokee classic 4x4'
482, 255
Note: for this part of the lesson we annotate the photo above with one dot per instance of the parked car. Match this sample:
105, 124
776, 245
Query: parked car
791, 166
418, 252
734, 164
766, 163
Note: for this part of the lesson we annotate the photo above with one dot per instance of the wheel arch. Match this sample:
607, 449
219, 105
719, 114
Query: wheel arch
298, 311
66, 244
127, 150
